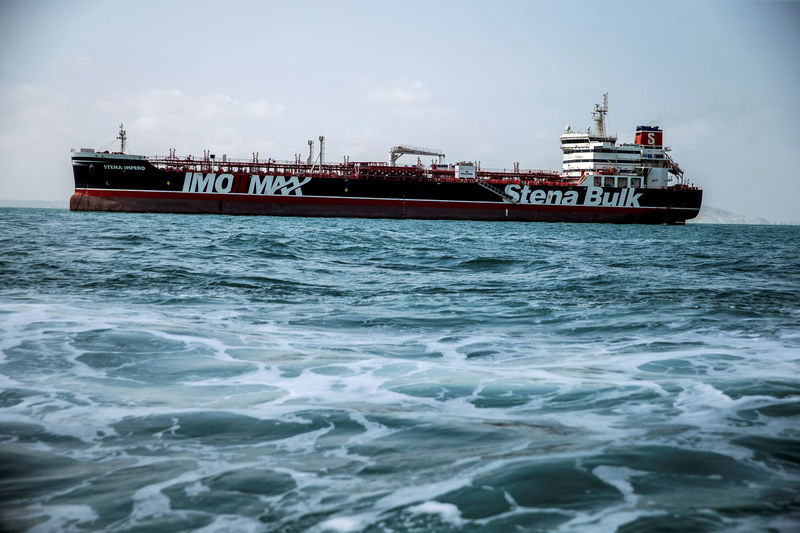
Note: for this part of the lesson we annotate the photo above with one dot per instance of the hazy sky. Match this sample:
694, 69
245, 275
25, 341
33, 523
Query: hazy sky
489, 81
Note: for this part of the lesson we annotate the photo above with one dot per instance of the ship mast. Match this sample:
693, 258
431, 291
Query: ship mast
599, 116
122, 138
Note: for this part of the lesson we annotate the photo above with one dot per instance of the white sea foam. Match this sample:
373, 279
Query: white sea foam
195, 488
224, 523
342, 524
411, 494
304, 442
606, 521
619, 478
446, 511
150, 502
63, 518
219, 348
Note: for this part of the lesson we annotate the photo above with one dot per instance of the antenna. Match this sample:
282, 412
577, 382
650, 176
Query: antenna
599, 116
122, 138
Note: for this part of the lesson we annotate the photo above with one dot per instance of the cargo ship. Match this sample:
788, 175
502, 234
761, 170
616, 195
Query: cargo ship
600, 181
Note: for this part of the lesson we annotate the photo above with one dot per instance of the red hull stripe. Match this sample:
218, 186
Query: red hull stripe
376, 202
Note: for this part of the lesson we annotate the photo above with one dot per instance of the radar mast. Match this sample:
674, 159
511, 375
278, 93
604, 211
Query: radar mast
122, 138
599, 116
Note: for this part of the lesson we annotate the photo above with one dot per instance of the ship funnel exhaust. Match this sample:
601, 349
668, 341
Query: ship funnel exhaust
321, 150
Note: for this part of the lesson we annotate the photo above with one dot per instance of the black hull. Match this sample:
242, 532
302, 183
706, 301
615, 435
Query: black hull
137, 186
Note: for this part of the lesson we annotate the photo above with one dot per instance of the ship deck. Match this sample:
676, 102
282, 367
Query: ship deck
367, 170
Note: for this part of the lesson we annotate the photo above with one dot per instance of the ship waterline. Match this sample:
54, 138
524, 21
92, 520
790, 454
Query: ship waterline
614, 210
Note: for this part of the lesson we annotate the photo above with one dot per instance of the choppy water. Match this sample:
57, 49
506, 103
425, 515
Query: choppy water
211, 373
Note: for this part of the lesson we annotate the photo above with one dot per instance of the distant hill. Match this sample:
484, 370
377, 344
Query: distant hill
714, 215
39, 204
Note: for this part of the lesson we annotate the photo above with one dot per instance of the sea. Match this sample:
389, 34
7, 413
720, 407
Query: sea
211, 373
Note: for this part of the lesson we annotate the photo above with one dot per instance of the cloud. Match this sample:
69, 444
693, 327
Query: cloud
159, 108
164, 118
81, 62
37, 128
405, 93
39, 124
262, 110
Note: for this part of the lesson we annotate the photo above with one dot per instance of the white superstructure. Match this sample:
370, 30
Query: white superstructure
595, 158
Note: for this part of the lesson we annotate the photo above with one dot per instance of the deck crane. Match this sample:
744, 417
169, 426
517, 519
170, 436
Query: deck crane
397, 151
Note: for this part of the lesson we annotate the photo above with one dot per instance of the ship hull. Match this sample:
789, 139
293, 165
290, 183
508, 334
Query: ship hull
138, 186
160, 202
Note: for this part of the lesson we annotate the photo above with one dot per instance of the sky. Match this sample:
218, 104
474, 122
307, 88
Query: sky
495, 82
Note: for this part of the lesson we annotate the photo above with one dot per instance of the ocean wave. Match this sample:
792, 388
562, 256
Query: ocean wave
284, 374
